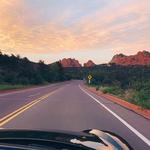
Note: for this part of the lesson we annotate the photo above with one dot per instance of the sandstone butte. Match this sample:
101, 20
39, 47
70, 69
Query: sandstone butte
141, 58
89, 63
69, 62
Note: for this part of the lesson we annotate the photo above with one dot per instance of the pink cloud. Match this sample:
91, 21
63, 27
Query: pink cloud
97, 31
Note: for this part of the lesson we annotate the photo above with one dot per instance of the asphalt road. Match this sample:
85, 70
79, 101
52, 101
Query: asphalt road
67, 106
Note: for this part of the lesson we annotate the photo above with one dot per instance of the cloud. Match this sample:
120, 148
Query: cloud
123, 26
104, 29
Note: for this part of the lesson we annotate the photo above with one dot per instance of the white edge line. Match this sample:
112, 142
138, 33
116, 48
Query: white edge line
142, 137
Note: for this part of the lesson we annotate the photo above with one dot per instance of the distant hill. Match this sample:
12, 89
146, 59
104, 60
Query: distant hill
89, 63
69, 62
141, 58
73, 63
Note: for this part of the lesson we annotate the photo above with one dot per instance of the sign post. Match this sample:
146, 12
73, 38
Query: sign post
89, 78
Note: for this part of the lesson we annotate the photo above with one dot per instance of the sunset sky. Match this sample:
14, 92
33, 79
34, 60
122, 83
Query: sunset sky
83, 29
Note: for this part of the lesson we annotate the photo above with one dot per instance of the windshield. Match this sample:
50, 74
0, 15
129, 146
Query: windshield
76, 65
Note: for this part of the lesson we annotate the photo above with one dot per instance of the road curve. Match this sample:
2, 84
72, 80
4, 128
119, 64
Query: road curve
65, 106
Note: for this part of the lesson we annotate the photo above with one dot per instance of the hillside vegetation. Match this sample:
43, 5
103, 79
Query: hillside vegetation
18, 71
131, 83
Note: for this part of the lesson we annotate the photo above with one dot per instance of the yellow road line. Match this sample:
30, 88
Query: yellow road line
2, 119
17, 112
19, 109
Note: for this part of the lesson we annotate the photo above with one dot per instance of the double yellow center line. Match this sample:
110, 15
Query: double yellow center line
17, 112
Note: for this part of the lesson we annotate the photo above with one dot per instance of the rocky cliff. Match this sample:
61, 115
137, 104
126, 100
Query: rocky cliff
89, 63
69, 62
141, 58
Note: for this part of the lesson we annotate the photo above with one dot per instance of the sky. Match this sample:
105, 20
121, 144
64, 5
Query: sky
50, 30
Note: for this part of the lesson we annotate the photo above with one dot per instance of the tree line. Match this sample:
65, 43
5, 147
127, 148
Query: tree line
17, 70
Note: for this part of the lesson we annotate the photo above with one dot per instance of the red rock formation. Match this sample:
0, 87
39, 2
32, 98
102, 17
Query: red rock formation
69, 62
90, 63
141, 58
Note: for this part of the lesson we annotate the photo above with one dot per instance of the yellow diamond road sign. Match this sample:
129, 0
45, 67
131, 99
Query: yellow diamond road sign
89, 77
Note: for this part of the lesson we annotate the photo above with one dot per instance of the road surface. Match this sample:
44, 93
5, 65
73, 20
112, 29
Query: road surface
68, 106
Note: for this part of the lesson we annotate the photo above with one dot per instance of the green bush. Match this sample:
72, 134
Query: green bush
141, 98
113, 90
105, 91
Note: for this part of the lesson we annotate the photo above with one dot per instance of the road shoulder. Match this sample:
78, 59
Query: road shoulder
137, 109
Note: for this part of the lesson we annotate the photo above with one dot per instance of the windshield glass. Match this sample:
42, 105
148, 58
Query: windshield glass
75, 65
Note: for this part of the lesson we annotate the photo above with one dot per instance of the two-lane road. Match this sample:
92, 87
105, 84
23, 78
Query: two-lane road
67, 106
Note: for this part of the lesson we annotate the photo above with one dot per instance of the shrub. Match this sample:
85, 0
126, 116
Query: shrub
141, 98
113, 90
97, 88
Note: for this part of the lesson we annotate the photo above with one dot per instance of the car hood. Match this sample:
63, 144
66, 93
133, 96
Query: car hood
88, 139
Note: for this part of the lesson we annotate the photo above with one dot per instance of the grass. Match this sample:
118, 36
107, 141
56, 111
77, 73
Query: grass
9, 87
115, 90
140, 97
